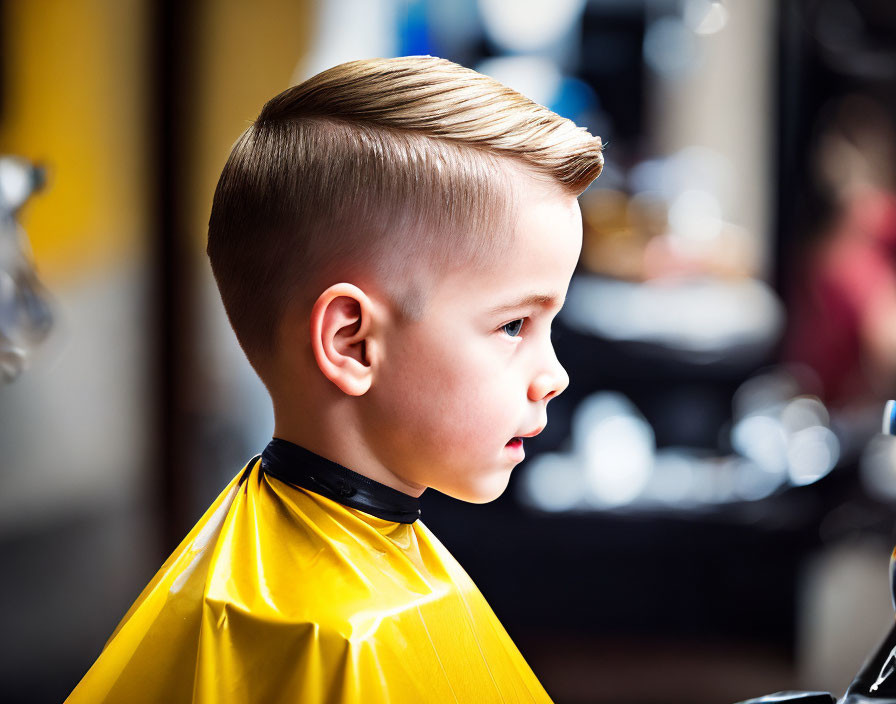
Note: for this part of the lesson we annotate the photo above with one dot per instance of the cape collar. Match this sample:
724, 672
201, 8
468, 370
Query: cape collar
294, 464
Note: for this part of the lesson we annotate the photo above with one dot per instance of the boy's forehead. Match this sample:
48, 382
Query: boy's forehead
535, 269
519, 280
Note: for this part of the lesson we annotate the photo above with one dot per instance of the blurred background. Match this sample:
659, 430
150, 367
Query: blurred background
709, 513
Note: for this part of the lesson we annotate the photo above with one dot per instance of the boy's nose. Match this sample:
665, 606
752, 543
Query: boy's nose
549, 383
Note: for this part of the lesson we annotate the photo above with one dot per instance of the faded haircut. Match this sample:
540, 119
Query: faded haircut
394, 167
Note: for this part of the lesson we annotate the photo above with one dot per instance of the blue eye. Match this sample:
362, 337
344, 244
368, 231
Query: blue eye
513, 328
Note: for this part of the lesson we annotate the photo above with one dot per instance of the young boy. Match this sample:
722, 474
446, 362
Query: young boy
391, 240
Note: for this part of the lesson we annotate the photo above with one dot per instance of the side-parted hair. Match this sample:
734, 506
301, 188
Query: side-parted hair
396, 167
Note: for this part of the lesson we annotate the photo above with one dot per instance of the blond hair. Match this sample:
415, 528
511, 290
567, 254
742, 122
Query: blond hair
391, 166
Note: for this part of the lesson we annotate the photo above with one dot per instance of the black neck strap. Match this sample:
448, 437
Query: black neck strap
294, 464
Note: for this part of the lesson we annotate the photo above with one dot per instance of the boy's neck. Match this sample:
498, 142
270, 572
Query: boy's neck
337, 438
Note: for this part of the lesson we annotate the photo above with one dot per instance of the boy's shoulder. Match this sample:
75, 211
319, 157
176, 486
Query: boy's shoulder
282, 554
277, 590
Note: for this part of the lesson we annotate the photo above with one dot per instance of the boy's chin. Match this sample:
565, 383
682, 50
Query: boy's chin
481, 493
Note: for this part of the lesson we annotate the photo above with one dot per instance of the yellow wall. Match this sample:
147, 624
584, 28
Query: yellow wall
74, 97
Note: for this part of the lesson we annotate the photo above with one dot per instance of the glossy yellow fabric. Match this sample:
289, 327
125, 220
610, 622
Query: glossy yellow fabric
281, 595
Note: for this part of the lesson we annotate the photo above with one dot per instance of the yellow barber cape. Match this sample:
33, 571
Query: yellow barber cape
279, 594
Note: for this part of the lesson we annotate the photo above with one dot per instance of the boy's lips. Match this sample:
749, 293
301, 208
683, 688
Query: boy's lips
532, 434
516, 443
515, 448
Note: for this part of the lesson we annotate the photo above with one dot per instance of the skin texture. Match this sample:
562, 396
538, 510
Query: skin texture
435, 402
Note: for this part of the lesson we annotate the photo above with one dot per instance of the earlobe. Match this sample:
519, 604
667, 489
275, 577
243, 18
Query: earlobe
341, 322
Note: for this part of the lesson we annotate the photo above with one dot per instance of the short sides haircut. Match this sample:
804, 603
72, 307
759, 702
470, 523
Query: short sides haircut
396, 167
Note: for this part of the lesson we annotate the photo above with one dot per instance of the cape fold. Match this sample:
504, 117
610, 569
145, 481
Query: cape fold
279, 594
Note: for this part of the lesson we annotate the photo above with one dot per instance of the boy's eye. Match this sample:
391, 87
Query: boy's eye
513, 328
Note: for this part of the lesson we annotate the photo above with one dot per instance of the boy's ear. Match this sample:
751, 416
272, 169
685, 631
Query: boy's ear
341, 322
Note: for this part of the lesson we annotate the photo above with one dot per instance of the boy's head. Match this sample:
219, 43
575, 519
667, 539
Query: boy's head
365, 230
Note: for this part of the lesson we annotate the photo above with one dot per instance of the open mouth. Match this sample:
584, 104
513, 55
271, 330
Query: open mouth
514, 442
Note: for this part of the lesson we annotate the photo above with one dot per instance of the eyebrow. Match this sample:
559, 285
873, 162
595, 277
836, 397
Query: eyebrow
529, 301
